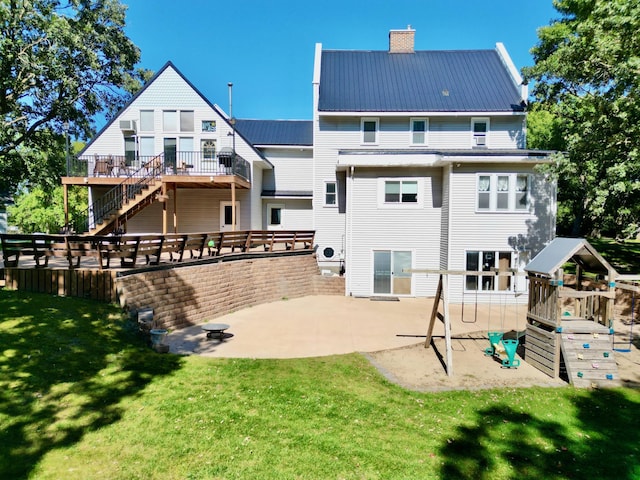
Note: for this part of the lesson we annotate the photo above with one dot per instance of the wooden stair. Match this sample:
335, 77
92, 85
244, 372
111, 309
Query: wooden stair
587, 350
134, 205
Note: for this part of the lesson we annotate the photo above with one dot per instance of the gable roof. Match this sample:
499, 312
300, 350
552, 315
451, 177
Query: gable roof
561, 250
423, 81
167, 65
277, 132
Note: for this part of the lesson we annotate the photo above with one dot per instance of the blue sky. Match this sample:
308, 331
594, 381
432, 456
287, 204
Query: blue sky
266, 47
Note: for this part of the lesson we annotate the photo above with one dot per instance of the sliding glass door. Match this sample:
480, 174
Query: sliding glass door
388, 275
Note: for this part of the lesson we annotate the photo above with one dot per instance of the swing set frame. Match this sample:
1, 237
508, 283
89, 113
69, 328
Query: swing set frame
442, 296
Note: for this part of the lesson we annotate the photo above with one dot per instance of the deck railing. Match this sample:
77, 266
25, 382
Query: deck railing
127, 249
133, 183
224, 162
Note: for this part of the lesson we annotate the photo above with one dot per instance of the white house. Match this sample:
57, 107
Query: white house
413, 159
420, 162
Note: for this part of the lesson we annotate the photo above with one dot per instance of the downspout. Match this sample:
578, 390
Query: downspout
449, 217
349, 222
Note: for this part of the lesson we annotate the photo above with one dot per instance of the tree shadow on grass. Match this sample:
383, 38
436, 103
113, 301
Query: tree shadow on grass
65, 365
604, 442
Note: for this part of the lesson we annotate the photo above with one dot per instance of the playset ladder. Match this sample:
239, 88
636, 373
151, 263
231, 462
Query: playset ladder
587, 349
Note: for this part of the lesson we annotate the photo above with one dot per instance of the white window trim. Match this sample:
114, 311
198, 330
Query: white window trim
426, 131
391, 249
493, 192
153, 120
513, 288
271, 206
487, 134
370, 119
225, 203
324, 194
381, 192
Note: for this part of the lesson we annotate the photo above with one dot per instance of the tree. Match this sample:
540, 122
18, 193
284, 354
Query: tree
61, 61
587, 73
40, 210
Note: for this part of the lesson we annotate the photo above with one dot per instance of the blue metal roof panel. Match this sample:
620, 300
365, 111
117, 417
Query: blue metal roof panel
276, 132
429, 81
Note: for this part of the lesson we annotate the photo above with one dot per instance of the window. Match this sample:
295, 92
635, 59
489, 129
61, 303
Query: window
129, 150
503, 192
522, 187
401, 191
488, 261
369, 130
147, 148
170, 120
208, 125
274, 216
186, 121
419, 127
480, 130
146, 121
330, 194
208, 148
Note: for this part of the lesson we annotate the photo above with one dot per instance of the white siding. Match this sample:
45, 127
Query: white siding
297, 213
292, 169
497, 231
373, 227
198, 211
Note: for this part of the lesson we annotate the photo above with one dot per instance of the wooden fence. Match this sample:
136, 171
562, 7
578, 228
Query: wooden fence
84, 283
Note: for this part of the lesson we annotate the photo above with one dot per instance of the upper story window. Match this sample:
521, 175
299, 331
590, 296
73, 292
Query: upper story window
480, 132
369, 127
330, 194
174, 121
186, 121
399, 192
419, 129
208, 125
146, 121
170, 120
503, 192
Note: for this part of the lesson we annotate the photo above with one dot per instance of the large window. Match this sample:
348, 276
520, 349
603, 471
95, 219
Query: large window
170, 120
330, 194
146, 121
369, 130
401, 191
503, 192
419, 128
488, 261
186, 121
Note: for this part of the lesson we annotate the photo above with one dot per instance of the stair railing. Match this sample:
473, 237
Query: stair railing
118, 196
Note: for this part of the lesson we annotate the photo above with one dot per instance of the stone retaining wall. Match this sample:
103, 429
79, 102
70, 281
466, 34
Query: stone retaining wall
191, 295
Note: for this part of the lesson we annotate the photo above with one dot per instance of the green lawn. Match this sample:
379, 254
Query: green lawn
82, 397
623, 256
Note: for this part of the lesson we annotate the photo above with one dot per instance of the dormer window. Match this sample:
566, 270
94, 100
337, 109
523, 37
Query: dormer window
480, 131
369, 131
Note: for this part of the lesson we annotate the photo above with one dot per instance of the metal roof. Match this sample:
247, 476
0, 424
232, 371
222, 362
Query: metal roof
277, 132
561, 250
423, 81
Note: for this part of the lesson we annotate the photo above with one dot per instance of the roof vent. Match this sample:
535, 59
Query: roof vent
402, 41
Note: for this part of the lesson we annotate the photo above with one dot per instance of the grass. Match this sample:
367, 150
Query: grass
623, 256
81, 396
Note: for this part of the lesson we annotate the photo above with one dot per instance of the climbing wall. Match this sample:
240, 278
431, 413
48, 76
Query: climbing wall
587, 350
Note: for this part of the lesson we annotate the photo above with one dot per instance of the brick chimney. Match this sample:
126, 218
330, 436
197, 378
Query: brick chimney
402, 41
